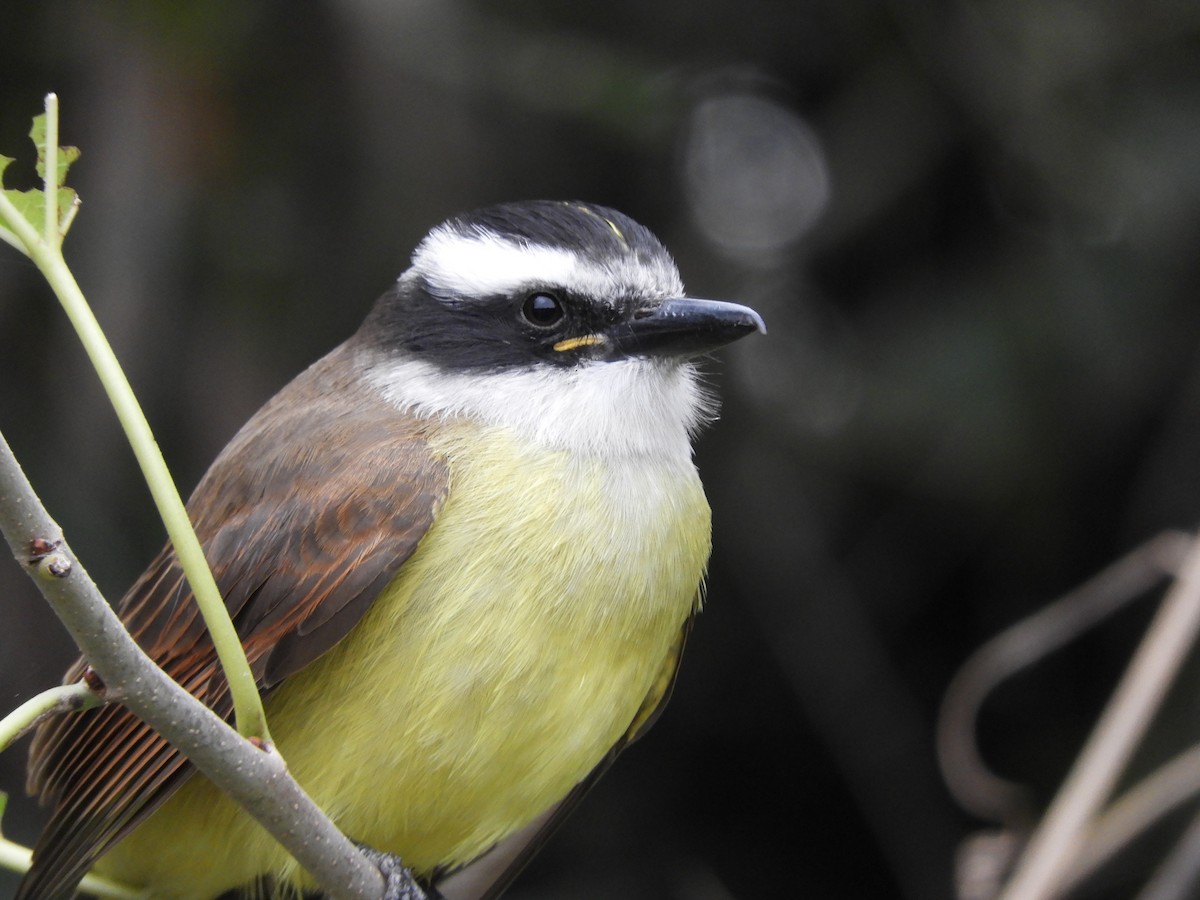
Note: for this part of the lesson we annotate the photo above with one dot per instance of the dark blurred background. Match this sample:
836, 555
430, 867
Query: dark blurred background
972, 228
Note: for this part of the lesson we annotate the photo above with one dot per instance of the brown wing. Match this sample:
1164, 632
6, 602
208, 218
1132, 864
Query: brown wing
487, 877
300, 544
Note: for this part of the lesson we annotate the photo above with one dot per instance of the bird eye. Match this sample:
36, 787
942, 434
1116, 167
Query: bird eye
542, 310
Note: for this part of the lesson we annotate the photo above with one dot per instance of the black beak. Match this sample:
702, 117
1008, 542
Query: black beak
683, 327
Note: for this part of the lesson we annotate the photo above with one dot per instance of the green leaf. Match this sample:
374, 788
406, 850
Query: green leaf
66, 155
31, 204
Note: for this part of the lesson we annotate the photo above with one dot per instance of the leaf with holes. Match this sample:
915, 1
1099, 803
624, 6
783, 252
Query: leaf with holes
31, 204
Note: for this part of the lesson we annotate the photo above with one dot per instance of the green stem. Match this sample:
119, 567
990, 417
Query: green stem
16, 858
244, 692
18, 231
66, 696
50, 228
9, 238
47, 255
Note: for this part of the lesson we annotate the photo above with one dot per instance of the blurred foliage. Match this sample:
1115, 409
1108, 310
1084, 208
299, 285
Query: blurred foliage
970, 226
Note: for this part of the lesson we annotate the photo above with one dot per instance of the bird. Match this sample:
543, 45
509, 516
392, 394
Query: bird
463, 552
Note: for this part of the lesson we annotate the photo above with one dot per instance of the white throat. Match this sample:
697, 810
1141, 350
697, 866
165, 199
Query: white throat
630, 407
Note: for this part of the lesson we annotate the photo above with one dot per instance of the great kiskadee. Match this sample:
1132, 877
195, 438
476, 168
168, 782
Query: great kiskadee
463, 552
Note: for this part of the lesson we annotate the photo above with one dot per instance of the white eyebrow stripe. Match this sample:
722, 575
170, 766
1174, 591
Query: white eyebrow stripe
484, 265
463, 266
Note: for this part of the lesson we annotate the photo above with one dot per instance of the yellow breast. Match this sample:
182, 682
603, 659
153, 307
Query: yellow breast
510, 653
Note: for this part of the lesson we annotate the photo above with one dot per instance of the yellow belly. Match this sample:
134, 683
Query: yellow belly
491, 676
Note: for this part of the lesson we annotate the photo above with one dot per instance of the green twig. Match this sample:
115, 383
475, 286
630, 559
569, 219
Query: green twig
16, 858
253, 774
7, 236
62, 698
46, 252
50, 234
